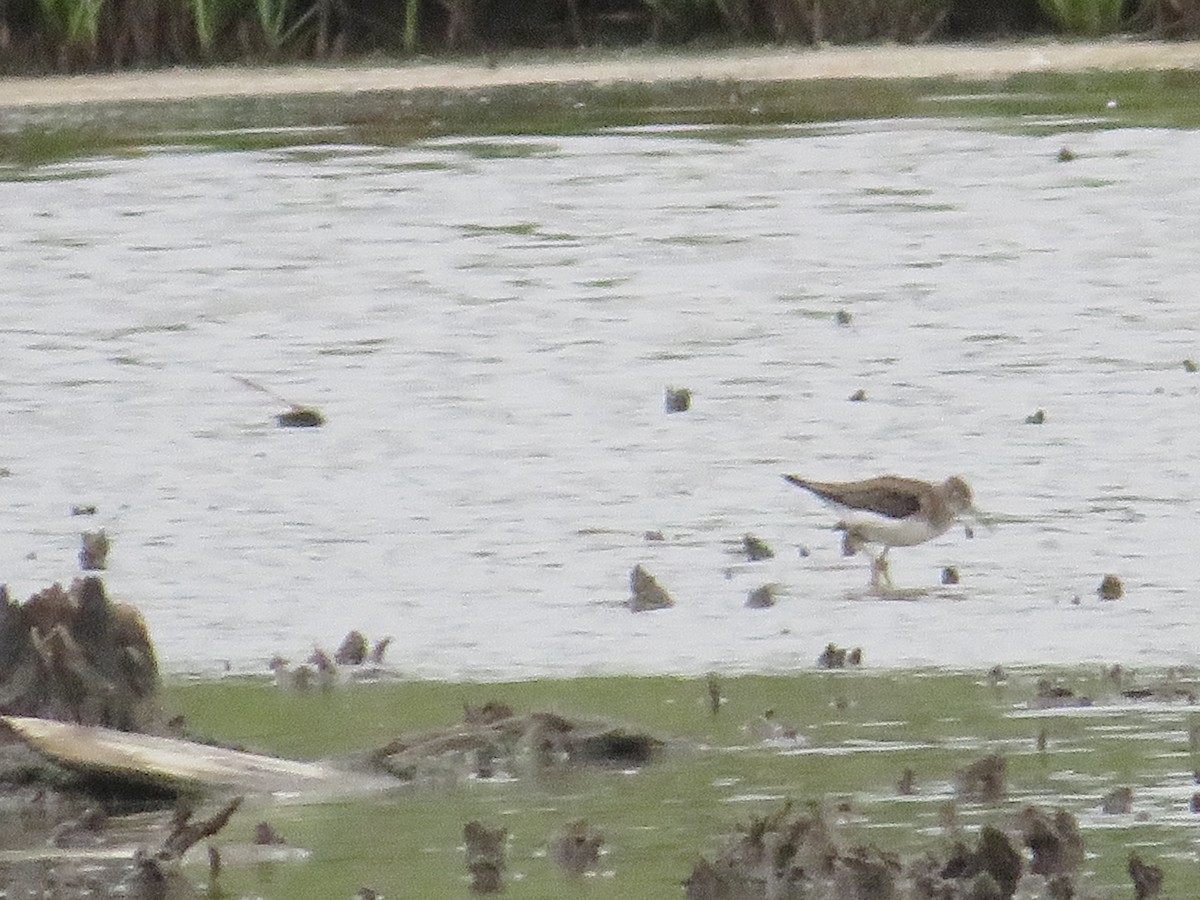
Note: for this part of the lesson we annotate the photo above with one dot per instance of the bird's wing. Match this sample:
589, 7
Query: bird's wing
896, 498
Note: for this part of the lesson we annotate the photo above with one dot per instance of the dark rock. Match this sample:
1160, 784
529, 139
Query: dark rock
761, 597
1054, 841
353, 650
93, 554
485, 857
677, 400
300, 417
577, 848
647, 594
756, 549
984, 780
1111, 588
1118, 801
1147, 879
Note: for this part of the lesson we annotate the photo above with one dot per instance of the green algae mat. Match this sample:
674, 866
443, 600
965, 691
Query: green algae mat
880, 752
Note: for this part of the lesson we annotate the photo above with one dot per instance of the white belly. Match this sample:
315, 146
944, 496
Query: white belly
875, 529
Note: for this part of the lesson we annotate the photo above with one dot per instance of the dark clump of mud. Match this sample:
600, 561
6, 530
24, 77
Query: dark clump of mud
646, 593
75, 656
494, 740
787, 856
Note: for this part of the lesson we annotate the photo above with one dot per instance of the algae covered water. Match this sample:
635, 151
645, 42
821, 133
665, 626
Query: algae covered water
489, 324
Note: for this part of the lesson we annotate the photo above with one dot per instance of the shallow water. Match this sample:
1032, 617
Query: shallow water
489, 324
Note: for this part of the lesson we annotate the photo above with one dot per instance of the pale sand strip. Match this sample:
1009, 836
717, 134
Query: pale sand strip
769, 64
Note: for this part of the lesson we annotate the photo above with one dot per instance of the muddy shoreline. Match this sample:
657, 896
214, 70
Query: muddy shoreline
760, 64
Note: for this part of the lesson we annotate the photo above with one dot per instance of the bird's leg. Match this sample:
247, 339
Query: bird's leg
880, 576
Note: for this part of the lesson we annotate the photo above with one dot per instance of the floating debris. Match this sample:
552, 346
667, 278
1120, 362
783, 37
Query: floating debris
1036, 418
1066, 154
677, 400
297, 416
1147, 879
485, 856
714, 693
647, 594
761, 597
858, 396
266, 835
1118, 801
93, 552
835, 657
1051, 695
353, 650
949, 575
577, 848
984, 780
1111, 588
756, 549
539, 741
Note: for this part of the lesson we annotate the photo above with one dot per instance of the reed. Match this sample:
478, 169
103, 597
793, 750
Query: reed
76, 22
1088, 18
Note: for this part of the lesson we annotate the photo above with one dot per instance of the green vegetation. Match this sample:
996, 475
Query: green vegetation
86, 35
861, 730
1091, 18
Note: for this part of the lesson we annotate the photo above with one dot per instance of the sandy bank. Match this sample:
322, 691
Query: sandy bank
768, 64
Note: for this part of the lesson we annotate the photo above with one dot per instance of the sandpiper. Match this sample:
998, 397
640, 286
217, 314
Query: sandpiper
890, 511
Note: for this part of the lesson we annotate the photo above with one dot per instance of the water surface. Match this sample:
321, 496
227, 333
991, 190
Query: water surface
489, 323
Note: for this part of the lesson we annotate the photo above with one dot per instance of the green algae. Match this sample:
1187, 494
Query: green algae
858, 730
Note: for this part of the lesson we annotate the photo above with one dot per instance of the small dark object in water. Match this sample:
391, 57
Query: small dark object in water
835, 657
677, 400
1036, 418
983, 780
1066, 154
756, 549
300, 417
1189, 365
379, 650
761, 598
1042, 738
485, 857
1147, 879
488, 713
83, 510
997, 676
842, 317
949, 575
654, 536
577, 848
1054, 841
905, 785
1195, 804
1111, 588
832, 657
714, 693
265, 835
858, 396
1118, 801
366, 893
93, 554
647, 593
353, 650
